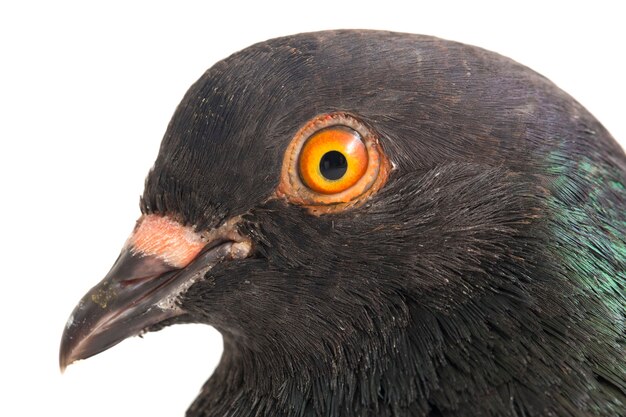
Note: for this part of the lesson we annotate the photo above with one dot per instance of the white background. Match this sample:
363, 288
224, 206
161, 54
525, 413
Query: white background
86, 91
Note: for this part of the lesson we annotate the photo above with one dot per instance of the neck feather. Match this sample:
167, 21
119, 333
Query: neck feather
468, 362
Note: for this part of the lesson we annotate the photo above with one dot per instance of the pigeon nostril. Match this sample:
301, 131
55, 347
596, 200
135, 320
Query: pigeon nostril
166, 239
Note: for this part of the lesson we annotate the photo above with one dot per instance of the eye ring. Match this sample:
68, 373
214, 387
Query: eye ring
305, 184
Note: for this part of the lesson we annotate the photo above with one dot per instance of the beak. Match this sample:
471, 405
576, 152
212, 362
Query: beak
140, 291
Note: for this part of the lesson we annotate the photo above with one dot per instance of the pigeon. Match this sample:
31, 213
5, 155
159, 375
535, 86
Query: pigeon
380, 224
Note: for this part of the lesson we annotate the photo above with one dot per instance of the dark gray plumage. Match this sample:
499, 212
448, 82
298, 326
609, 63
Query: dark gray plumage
485, 278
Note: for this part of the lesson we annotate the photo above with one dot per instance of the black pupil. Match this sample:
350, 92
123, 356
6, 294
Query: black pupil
333, 165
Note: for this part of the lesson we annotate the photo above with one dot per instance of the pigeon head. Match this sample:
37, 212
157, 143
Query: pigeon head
380, 224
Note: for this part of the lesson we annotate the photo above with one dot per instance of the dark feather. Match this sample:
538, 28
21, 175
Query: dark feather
485, 279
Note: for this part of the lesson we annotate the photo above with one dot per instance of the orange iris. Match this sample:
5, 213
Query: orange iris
333, 160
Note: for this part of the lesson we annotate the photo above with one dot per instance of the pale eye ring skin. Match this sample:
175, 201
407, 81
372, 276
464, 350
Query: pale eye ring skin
317, 144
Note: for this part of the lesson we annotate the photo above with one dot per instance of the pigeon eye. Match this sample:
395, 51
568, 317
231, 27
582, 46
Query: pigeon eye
333, 162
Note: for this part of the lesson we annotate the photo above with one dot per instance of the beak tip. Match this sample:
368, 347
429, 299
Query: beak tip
63, 365
64, 356
68, 349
